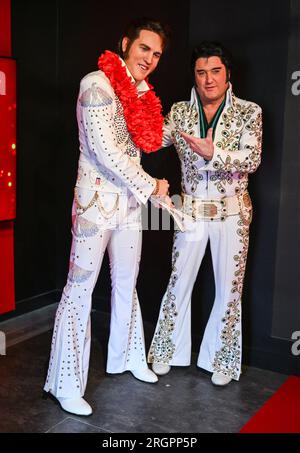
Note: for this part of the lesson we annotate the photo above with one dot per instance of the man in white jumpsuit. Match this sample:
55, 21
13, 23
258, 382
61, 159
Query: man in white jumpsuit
118, 116
218, 140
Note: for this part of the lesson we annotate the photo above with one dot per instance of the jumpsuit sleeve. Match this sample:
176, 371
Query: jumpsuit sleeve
248, 157
168, 130
96, 107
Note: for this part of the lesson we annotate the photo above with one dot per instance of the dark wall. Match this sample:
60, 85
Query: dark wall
286, 313
56, 44
34, 46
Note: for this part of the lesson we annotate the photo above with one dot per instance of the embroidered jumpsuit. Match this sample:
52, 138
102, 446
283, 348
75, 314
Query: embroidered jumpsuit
237, 152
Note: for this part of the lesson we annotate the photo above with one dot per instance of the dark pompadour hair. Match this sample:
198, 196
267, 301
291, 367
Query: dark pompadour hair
212, 49
133, 29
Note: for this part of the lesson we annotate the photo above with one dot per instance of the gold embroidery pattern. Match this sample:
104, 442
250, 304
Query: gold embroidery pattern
227, 359
242, 185
185, 117
234, 120
221, 179
162, 348
249, 165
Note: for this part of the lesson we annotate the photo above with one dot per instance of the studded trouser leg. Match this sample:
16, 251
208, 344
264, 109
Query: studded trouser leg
70, 351
126, 347
221, 346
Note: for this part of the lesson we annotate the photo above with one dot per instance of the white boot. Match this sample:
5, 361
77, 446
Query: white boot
160, 368
77, 406
145, 375
220, 379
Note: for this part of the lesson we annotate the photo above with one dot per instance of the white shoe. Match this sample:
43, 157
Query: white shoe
220, 379
77, 406
160, 368
145, 375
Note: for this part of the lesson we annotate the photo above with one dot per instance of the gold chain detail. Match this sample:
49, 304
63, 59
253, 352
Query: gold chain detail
81, 208
96, 198
107, 214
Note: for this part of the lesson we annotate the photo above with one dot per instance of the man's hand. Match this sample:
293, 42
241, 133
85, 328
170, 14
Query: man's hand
202, 146
162, 189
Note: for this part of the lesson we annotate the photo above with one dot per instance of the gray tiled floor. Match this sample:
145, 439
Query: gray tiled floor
182, 401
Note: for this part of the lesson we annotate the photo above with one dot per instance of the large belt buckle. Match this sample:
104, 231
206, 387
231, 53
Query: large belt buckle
209, 209
213, 210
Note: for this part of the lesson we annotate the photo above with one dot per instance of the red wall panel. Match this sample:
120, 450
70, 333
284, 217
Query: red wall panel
7, 283
7, 161
7, 139
5, 28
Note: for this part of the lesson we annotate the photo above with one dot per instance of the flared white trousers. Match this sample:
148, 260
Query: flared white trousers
70, 350
220, 349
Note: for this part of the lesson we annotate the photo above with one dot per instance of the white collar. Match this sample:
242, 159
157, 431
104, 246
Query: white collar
229, 102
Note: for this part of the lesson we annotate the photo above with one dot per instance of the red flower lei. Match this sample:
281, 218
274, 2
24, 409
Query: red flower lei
142, 114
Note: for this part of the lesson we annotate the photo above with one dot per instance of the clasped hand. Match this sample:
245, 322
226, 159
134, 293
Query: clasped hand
163, 193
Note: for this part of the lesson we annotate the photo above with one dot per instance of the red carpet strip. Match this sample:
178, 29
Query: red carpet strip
281, 413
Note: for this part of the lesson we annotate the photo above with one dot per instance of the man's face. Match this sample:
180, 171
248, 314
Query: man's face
211, 79
143, 55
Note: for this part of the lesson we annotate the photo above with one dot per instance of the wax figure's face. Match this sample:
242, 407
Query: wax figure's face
143, 55
210, 79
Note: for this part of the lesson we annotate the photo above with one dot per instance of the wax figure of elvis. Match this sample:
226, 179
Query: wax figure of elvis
118, 117
218, 140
